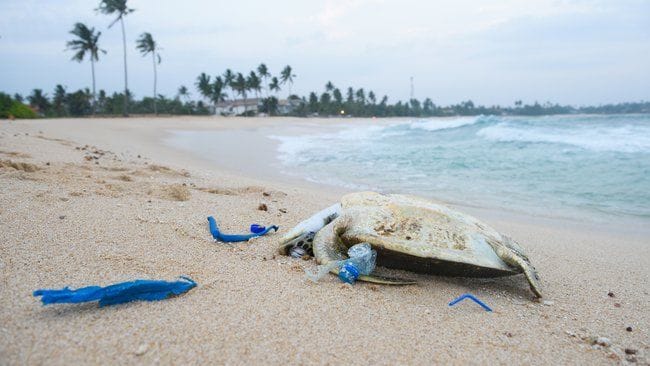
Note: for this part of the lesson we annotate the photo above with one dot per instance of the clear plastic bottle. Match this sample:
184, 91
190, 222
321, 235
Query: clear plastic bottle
362, 260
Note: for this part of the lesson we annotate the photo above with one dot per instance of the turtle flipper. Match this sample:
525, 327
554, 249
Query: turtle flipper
383, 280
513, 254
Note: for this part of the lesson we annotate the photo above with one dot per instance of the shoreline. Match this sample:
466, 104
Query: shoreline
263, 162
238, 158
237, 163
108, 202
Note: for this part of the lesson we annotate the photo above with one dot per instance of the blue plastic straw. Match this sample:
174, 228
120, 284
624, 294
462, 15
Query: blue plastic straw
149, 290
226, 238
472, 297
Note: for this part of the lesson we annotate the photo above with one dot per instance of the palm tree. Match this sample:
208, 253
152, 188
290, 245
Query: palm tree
203, 85
372, 97
361, 96
86, 43
286, 76
264, 74
274, 85
228, 78
183, 93
329, 86
350, 95
39, 100
59, 100
119, 7
147, 45
239, 84
102, 101
338, 97
217, 95
254, 83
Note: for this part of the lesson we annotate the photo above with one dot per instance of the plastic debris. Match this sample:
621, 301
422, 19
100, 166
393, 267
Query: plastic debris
297, 252
349, 273
471, 297
256, 230
119, 293
318, 272
361, 261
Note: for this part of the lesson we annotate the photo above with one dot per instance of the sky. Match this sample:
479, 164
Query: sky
491, 52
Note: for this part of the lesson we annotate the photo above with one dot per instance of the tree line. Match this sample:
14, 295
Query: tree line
259, 82
80, 103
86, 43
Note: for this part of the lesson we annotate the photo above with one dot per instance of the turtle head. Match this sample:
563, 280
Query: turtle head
299, 240
297, 243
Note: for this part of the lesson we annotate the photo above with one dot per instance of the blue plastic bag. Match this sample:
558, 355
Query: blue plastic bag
119, 293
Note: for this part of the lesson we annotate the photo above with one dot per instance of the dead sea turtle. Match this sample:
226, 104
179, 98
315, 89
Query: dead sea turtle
409, 233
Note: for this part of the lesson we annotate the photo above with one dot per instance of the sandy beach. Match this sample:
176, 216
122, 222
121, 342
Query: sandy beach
98, 201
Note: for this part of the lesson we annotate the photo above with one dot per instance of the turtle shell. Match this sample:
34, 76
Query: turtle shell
414, 234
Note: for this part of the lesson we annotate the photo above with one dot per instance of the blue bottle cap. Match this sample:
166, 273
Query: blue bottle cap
348, 273
256, 229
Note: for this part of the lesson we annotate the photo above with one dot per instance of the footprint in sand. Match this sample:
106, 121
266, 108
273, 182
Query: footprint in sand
172, 192
15, 154
232, 191
17, 165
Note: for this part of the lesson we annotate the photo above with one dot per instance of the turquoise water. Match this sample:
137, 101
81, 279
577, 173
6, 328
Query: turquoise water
561, 166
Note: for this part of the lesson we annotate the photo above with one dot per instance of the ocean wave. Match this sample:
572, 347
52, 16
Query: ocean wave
626, 138
445, 124
303, 148
291, 148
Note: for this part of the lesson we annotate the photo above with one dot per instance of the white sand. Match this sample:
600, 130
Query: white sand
77, 223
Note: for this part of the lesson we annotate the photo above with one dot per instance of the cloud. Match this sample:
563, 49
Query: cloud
492, 52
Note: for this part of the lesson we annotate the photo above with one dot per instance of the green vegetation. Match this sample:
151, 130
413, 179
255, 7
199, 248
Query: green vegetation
87, 42
360, 103
119, 8
12, 108
80, 104
228, 86
146, 45
21, 111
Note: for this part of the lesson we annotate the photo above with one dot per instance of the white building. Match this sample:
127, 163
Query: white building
286, 106
238, 106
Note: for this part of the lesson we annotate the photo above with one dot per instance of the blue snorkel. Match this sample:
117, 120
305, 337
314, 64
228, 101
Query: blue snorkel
256, 230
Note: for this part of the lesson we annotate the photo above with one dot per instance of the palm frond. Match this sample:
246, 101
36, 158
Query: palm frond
86, 42
118, 7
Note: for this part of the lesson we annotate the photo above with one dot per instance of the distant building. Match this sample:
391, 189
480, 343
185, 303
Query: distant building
286, 106
239, 106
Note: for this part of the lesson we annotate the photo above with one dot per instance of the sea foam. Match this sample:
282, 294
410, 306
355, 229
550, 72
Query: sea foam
572, 166
568, 165
626, 138
456, 122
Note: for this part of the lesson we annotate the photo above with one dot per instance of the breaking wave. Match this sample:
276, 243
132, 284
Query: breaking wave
444, 124
626, 138
559, 163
